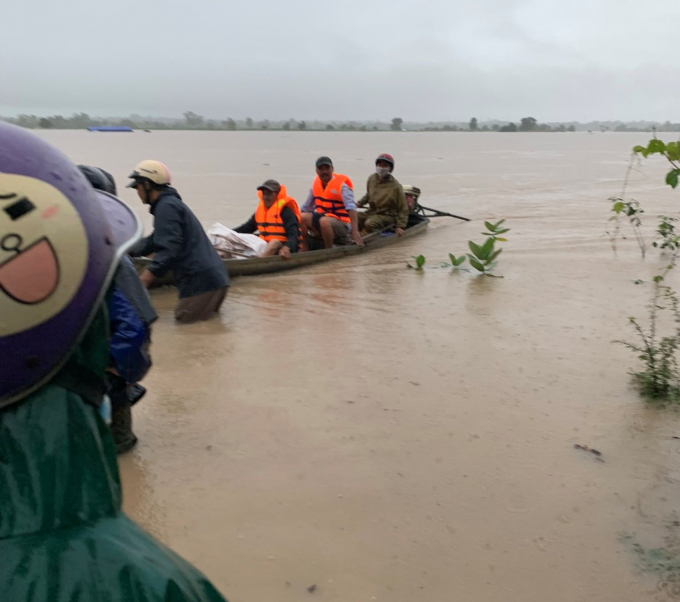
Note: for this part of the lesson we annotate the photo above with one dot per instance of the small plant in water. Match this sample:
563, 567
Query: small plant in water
632, 210
456, 262
419, 261
669, 238
483, 257
659, 379
494, 230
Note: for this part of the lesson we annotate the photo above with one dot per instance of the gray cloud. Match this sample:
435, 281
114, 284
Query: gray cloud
352, 59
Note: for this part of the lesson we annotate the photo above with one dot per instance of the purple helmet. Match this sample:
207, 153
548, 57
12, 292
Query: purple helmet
60, 242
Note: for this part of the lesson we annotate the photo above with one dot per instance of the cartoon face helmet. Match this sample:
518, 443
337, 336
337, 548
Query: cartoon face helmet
60, 243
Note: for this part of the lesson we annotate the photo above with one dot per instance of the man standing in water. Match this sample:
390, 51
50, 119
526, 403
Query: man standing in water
385, 198
179, 244
330, 211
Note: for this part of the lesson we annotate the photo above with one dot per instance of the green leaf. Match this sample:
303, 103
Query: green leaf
489, 226
639, 149
618, 206
672, 177
458, 261
476, 249
673, 151
657, 279
420, 261
487, 248
498, 238
495, 254
502, 230
498, 223
475, 264
655, 146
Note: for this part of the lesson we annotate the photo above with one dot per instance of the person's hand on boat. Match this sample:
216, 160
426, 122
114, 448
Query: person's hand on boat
355, 235
399, 231
147, 278
285, 252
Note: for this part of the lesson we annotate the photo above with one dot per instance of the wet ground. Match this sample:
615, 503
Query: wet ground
387, 434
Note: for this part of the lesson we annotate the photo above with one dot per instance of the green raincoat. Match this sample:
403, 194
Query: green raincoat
63, 536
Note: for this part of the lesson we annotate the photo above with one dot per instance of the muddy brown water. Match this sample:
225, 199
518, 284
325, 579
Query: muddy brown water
391, 435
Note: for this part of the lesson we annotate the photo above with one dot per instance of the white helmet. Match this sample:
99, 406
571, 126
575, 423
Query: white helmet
154, 171
413, 191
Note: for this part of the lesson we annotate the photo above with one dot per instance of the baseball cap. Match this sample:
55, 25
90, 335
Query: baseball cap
271, 185
324, 161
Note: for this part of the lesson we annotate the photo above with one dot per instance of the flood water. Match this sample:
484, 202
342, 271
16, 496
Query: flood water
385, 434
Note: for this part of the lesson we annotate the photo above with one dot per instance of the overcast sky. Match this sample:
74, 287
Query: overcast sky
348, 59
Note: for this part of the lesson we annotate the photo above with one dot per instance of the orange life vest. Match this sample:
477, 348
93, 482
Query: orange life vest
329, 200
269, 222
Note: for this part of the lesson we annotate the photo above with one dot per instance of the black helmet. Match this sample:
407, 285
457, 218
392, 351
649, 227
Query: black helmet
100, 179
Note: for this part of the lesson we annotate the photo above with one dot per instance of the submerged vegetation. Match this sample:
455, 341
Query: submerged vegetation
662, 562
482, 257
659, 377
631, 210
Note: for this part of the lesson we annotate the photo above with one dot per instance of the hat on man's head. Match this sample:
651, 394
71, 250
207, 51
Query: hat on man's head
271, 185
324, 161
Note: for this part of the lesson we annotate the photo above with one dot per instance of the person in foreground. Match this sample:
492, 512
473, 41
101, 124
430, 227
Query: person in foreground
385, 198
330, 211
179, 244
131, 315
63, 536
276, 220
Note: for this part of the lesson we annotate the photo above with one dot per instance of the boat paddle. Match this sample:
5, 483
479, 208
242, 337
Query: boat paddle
436, 213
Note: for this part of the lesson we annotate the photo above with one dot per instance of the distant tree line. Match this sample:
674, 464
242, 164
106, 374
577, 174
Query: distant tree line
194, 121
530, 124
526, 124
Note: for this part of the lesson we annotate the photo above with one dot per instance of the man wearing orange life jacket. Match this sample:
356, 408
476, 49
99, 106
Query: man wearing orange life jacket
276, 220
330, 210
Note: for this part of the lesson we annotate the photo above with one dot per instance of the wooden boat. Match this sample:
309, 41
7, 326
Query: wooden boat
267, 265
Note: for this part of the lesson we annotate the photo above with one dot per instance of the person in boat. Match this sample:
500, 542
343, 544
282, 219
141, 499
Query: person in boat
276, 220
412, 194
330, 211
63, 535
131, 315
385, 198
179, 244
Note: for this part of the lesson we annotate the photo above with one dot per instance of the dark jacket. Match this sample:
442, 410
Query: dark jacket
180, 245
129, 339
290, 225
127, 280
386, 197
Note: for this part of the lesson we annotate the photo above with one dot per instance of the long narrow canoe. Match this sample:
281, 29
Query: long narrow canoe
267, 265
